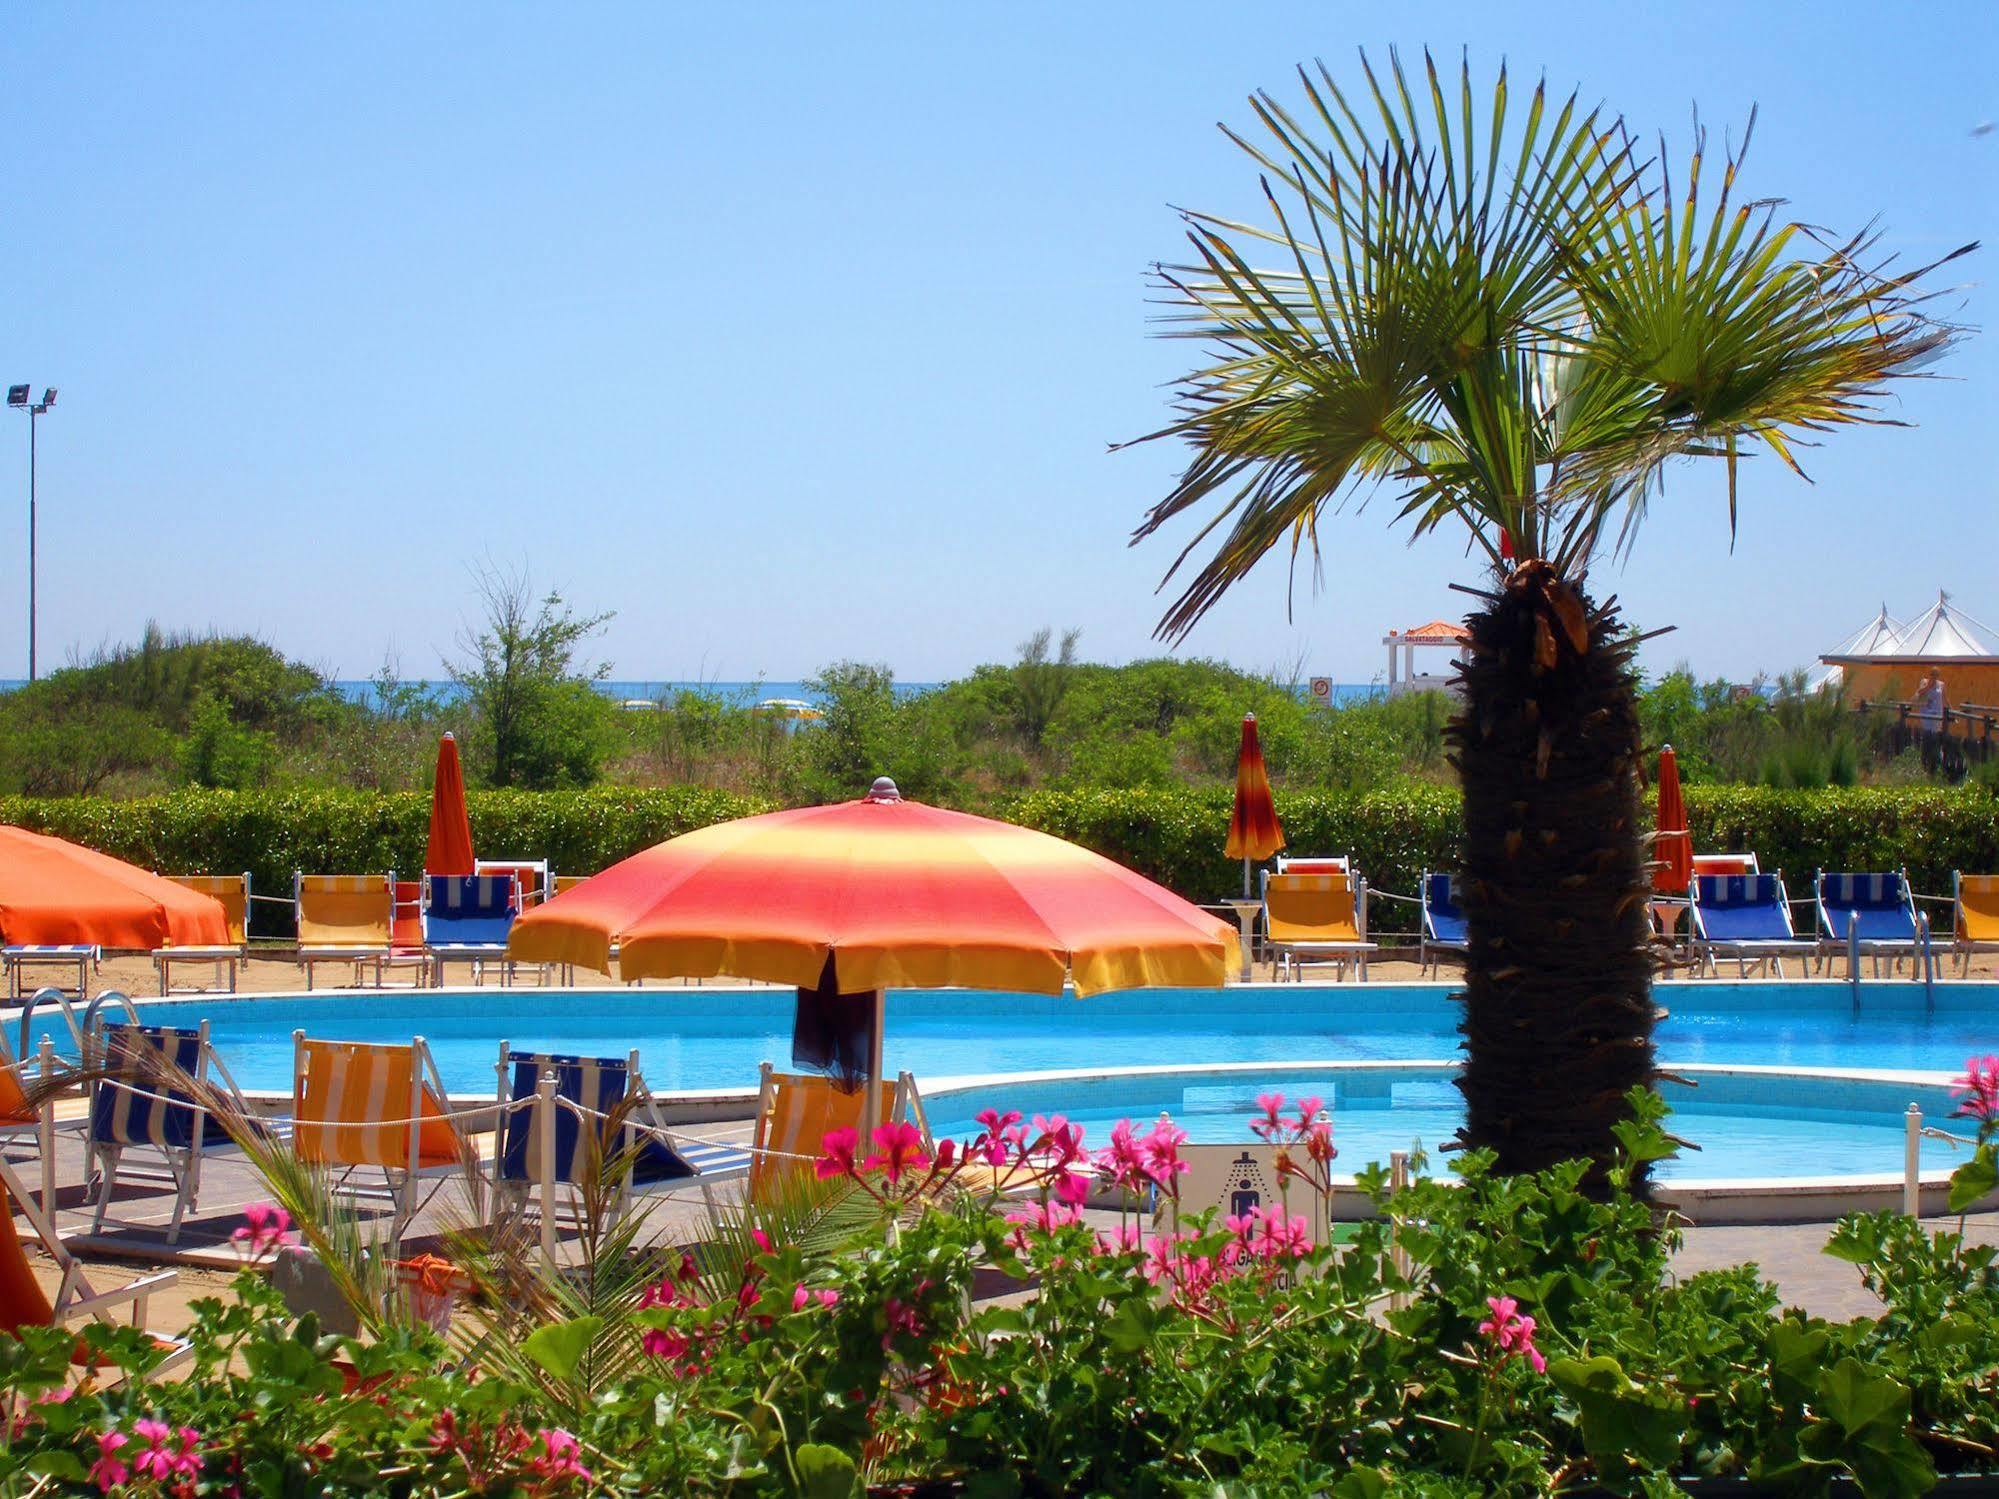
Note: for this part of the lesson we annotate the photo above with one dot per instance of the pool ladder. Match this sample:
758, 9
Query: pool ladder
77, 1029
1925, 960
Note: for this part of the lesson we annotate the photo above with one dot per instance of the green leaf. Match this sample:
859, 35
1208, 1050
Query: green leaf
1361, 1483
825, 1472
1858, 1400
1623, 1422
559, 1347
66, 1466
1975, 1178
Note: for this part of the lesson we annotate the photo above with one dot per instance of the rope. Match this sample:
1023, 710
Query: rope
1931, 1132
1375, 893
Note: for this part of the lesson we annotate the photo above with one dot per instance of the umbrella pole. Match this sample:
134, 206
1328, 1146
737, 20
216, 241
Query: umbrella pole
1245, 879
871, 1104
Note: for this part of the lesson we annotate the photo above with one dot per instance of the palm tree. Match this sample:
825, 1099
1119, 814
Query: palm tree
1515, 325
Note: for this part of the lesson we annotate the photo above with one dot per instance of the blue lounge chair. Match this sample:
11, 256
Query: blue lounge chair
1878, 909
1746, 917
586, 1090
466, 918
22, 960
133, 1108
1443, 920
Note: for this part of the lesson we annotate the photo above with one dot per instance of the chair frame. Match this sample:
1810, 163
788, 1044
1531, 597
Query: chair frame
82, 957
75, 1296
1765, 953
1292, 958
42, 1128
400, 1184
223, 955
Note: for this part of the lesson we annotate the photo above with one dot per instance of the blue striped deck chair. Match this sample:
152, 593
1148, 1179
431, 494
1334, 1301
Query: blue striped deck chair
1746, 917
1878, 908
588, 1087
134, 1108
466, 919
1443, 920
22, 960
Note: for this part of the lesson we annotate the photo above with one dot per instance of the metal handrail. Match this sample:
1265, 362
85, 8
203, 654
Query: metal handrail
48, 991
109, 996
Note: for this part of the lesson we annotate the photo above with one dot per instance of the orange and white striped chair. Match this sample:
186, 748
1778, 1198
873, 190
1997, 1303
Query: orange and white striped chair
233, 891
795, 1113
364, 1106
1317, 918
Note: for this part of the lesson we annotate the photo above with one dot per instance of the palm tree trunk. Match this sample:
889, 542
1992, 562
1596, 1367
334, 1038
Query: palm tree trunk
1558, 1009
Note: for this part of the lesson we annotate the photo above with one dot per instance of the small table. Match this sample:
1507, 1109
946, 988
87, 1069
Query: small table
1245, 914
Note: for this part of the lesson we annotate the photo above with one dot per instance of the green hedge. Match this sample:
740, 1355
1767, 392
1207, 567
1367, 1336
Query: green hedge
273, 833
1171, 835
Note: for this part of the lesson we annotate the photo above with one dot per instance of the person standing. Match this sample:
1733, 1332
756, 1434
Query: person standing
1932, 708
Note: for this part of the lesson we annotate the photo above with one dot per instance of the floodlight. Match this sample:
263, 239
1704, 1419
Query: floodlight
48, 398
17, 395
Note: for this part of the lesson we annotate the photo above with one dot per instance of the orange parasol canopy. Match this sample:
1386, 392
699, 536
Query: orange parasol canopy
55, 892
450, 847
894, 893
1254, 832
1673, 852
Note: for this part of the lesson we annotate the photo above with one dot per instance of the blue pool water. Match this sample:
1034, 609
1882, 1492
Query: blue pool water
713, 1036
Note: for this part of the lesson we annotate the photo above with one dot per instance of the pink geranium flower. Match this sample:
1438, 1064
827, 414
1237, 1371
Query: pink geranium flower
109, 1471
839, 1146
167, 1453
1272, 1121
558, 1459
265, 1226
1160, 1151
1977, 1091
1511, 1333
898, 1151
804, 1296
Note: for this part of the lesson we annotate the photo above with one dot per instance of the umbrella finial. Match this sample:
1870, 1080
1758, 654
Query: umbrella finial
884, 790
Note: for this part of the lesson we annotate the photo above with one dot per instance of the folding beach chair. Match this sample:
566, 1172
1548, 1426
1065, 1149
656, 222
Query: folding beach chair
25, 1303
541, 1149
1975, 922
466, 919
1444, 928
1317, 918
343, 918
531, 875
561, 882
795, 1113
406, 943
25, 963
358, 1106
1878, 908
233, 891
1744, 863
1316, 864
1746, 917
23, 1123
140, 1107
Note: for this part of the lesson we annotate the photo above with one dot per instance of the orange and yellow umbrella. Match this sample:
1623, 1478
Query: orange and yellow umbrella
891, 893
1254, 831
450, 848
55, 892
1673, 851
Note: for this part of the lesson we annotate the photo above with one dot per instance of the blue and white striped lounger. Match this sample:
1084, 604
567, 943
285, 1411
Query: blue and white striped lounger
78, 957
135, 1109
1746, 917
1877, 909
466, 918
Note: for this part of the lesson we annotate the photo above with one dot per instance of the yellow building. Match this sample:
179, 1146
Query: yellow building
1885, 662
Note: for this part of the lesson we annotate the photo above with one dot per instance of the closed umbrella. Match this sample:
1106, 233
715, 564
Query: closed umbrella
1673, 852
856, 897
1254, 832
450, 848
53, 893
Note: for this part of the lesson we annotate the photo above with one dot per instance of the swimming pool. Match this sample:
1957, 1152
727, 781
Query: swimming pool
713, 1036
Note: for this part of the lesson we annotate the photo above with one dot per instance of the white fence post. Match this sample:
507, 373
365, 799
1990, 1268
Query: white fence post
1912, 1162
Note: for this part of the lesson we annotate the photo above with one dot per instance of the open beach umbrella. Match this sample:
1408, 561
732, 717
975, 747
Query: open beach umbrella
1673, 852
860, 896
53, 892
1254, 832
450, 847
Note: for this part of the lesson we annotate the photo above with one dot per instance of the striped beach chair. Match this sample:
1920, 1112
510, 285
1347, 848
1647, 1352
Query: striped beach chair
361, 1107
1317, 918
1746, 917
24, 1127
569, 1145
1876, 908
233, 891
466, 919
27, 962
140, 1107
343, 918
1975, 916
795, 1113
1444, 929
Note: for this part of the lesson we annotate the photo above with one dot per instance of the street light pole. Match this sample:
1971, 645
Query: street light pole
17, 398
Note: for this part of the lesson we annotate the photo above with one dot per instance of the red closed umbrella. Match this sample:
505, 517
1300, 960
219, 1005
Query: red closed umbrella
1254, 832
450, 847
1673, 852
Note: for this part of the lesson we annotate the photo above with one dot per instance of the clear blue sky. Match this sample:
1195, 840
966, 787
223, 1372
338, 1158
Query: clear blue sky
800, 332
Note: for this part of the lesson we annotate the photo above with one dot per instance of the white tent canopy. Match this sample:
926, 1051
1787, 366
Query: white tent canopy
1943, 632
